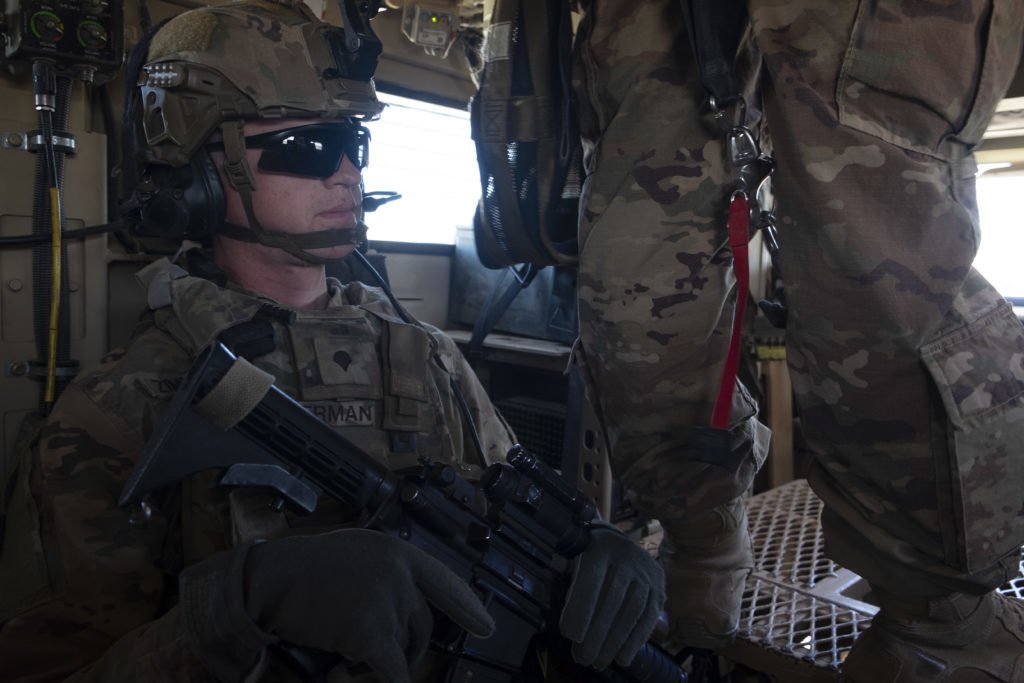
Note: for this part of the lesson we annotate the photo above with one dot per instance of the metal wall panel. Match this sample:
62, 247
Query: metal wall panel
84, 203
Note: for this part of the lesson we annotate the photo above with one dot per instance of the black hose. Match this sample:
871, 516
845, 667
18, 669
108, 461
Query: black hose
63, 119
113, 181
79, 233
145, 20
41, 261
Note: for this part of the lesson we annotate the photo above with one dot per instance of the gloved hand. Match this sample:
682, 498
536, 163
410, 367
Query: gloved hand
354, 592
614, 600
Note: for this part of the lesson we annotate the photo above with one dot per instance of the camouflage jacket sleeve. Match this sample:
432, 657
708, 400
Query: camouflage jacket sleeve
85, 590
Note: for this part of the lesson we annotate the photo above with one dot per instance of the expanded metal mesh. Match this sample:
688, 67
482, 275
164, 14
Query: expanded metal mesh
799, 605
797, 602
539, 425
1015, 588
785, 528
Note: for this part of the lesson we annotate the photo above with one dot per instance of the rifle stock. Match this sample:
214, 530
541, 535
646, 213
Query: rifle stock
512, 538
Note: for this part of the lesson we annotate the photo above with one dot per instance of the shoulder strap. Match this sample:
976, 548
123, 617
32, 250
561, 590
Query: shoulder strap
495, 307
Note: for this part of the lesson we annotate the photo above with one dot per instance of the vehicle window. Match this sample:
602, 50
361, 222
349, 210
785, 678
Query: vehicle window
425, 153
1002, 239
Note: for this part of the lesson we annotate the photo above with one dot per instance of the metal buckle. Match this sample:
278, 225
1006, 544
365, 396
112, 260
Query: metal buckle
720, 110
525, 273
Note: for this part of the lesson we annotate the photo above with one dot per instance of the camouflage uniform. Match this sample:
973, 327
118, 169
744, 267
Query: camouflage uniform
89, 595
907, 365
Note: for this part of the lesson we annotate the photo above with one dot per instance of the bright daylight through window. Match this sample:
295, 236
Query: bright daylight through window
1002, 240
425, 153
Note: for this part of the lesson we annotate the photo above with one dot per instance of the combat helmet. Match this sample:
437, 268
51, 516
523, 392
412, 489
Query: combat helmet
213, 68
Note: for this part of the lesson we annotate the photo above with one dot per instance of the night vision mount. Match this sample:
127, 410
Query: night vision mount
361, 48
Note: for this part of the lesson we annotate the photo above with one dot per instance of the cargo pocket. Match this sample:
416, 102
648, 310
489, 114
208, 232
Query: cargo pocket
979, 373
405, 376
901, 81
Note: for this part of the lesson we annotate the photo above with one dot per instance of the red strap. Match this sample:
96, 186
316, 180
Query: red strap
739, 234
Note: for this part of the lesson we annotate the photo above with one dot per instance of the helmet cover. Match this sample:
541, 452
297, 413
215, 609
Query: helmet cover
249, 59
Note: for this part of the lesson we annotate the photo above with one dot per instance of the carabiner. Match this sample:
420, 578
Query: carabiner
742, 147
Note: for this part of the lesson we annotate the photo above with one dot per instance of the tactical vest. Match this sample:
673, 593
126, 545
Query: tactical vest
355, 364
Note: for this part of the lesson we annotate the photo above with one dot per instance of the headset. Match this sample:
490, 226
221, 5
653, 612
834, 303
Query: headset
180, 203
163, 201
188, 202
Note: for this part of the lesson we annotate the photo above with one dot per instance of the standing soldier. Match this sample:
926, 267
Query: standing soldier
907, 365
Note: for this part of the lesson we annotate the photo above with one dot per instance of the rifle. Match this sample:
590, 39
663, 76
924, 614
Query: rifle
512, 538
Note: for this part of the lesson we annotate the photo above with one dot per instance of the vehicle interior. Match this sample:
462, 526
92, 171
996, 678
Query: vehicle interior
802, 612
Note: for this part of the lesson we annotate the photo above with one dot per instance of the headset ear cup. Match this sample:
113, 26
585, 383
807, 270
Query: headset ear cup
162, 213
204, 198
181, 203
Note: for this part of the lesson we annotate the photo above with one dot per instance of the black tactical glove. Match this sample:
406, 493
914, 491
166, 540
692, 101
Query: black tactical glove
614, 600
354, 592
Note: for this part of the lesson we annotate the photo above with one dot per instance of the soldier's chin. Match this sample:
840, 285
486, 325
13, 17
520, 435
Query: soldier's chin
335, 253
338, 252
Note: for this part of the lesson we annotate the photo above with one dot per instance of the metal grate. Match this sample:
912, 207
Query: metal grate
798, 604
538, 425
1015, 588
801, 612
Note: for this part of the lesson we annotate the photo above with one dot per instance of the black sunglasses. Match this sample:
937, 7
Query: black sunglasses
314, 150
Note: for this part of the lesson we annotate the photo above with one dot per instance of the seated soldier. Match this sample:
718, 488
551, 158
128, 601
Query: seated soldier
260, 113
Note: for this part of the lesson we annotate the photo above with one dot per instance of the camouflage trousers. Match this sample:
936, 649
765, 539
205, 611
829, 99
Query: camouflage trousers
907, 366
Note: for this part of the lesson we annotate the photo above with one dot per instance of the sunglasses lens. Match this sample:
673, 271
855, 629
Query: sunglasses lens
315, 151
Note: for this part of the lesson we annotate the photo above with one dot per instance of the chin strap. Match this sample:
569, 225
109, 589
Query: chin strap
298, 244
241, 178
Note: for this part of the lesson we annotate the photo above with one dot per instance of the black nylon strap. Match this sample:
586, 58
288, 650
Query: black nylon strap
495, 307
715, 27
250, 339
572, 436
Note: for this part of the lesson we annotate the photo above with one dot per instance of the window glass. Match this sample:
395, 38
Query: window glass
425, 153
1002, 237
